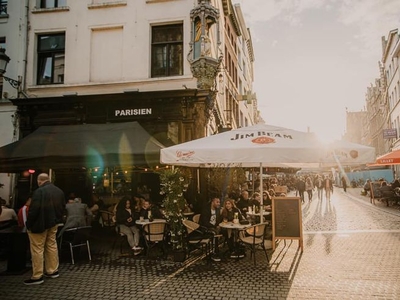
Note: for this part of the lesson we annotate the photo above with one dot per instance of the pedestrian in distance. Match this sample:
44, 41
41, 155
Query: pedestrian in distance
301, 187
344, 183
45, 213
328, 186
319, 183
309, 188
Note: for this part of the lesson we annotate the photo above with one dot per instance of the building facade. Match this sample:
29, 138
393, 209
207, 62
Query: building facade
156, 62
13, 36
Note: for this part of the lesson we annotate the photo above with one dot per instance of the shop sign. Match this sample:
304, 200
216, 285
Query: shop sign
128, 112
390, 133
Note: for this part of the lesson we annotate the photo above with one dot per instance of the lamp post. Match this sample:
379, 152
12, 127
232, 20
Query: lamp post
4, 60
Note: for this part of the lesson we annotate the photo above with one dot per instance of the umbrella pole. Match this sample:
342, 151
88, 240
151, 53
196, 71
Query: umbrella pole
261, 192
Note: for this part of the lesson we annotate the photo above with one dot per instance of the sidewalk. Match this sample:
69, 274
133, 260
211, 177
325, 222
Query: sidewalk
355, 194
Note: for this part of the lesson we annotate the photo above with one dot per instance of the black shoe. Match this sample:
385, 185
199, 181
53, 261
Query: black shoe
34, 281
54, 275
215, 258
234, 255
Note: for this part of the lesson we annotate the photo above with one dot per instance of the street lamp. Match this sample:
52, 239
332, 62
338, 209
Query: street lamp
4, 60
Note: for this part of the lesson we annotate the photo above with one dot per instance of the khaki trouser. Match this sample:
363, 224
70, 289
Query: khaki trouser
44, 249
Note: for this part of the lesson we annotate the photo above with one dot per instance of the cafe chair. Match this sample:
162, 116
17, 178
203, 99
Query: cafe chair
252, 237
196, 238
196, 218
107, 219
121, 239
155, 235
77, 237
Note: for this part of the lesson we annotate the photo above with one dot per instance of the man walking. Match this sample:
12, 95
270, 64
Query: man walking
45, 213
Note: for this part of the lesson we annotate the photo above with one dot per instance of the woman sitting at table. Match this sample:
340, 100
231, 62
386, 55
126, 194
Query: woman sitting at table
228, 214
126, 218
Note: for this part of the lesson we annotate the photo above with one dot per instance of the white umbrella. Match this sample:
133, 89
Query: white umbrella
247, 147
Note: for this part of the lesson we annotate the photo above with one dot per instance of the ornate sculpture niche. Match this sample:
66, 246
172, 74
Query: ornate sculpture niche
204, 45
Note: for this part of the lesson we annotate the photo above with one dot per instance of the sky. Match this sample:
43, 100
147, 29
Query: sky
316, 58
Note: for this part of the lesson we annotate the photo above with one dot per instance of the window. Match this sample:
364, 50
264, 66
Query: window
3, 7
52, 3
167, 50
51, 58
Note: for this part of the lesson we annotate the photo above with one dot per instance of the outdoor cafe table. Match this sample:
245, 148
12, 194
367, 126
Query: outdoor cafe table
254, 214
147, 221
234, 228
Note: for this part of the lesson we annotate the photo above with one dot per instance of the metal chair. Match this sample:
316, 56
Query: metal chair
196, 238
107, 219
75, 238
154, 235
252, 237
121, 237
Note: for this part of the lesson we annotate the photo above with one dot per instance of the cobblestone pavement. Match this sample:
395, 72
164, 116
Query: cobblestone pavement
351, 251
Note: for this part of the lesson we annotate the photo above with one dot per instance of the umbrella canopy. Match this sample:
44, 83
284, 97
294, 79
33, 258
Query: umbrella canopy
388, 159
266, 145
86, 145
347, 154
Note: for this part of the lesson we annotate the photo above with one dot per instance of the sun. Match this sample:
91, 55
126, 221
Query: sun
327, 136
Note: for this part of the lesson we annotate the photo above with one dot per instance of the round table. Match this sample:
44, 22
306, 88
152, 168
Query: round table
147, 221
235, 227
253, 214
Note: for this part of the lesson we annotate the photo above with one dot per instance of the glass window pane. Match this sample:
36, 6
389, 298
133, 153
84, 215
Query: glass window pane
47, 3
58, 74
176, 60
45, 65
159, 61
51, 42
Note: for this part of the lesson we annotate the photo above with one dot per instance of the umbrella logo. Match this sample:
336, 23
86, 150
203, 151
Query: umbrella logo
354, 154
263, 140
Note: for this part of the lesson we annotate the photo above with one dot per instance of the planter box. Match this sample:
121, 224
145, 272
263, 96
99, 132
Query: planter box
179, 256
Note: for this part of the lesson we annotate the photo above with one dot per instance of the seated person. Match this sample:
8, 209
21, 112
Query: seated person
7, 215
228, 215
149, 211
395, 184
244, 202
126, 217
267, 201
367, 185
256, 200
23, 212
77, 214
210, 218
386, 190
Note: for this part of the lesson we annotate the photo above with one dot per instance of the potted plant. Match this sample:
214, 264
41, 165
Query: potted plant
174, 183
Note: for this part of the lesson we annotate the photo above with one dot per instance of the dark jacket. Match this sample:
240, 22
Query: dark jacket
47, 208
205, 217
123, 215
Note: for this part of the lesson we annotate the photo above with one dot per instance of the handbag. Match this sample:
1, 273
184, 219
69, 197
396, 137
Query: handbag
244, 222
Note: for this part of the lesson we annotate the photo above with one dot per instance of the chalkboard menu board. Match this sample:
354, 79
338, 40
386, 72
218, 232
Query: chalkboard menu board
286, 219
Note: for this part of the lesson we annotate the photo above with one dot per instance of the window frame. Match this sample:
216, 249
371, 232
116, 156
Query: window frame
3, 7
43, 4
43, 55
167, 47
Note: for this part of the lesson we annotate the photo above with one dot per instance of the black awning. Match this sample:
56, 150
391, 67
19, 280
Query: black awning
86, 145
